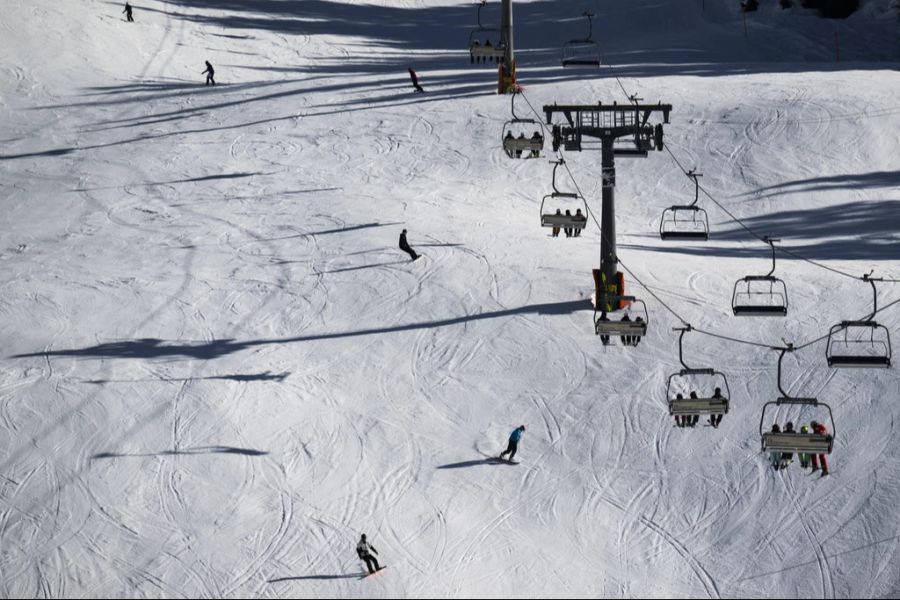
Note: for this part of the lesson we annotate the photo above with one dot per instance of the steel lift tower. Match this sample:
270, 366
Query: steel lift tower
615, 130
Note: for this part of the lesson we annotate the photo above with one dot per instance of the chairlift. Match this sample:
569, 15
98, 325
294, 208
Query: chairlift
484, 51
582, 53
860, 344
515, 142
760, 295
794, 443
685, 221
703, 388
609, 324
560, 213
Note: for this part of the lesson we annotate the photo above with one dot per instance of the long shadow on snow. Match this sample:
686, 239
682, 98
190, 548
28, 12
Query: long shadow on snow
265, 376
313, 577
187, 452
849, 231
474, 463
850, 181
151, 348
174, 181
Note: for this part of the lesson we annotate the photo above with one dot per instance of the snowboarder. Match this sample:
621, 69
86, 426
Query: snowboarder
804, 457
404, 245
210, 72
819, 429
365, 551
415, 80
127, 12
513, 445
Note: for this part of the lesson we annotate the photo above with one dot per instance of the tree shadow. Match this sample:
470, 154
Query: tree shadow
850, 181
266, 376
152, 348
176, 181
186, 452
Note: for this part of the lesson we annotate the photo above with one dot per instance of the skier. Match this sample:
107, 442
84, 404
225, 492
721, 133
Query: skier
404, 245
568, 230
513, 445
775, 457
536, 138
603, 338
556, 227
579, 217
127, 12
365, 551
819, 428
694, 419
787, 457
415, 80
804, 457
680, 420
508, 143
210, 72
638, 319
475, 45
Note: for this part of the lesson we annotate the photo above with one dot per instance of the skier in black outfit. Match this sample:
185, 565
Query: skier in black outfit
127, 12
404, 245
210, 72
365, 551
415, 80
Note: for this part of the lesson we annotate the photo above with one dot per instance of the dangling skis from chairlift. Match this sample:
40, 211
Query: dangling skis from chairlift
582, 52
860, 344
693, 392
515, 142
685, 221
573, 220
760, 295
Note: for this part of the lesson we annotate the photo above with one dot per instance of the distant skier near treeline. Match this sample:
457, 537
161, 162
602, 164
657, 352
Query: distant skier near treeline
513, 445
127, 12
210, 72
404, 245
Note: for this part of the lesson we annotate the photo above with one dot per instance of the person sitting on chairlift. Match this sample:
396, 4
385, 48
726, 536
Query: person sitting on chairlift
679, 419
693, 419
475, 45
506, 143
787, 457
556, 227
579, 217
715, 420
603, 338
637, 338
519, 148
775, 457
568, 230
627, 340
538, 139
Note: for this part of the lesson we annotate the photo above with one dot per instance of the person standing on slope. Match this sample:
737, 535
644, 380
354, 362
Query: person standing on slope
210, 72
513, 445
415, 80
127, 12
404, 245
365, 551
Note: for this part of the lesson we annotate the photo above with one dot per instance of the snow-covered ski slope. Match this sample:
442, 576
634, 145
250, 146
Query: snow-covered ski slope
218, 369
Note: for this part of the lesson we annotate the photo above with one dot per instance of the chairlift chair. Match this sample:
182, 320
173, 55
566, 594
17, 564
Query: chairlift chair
707, 381
794, 443
520, 146
609, 324
685, 221
566, 206
479, 52
584, 52
860, 344
760, 295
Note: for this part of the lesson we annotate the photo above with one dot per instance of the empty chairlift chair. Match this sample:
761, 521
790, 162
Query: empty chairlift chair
685, 221
711, 387
563, 209
522, 138
860, 344
584, 52
760, 295
795, 443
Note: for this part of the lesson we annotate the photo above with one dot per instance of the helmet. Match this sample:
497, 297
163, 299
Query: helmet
363, 536
804, 429
522, 427
814, 424
790, 424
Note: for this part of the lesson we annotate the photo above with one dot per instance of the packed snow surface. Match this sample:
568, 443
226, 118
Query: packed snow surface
218, 369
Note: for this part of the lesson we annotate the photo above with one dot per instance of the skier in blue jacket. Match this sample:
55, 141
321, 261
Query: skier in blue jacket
514, 438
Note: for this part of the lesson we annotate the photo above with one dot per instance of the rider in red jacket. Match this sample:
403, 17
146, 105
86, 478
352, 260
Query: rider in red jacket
819, 428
